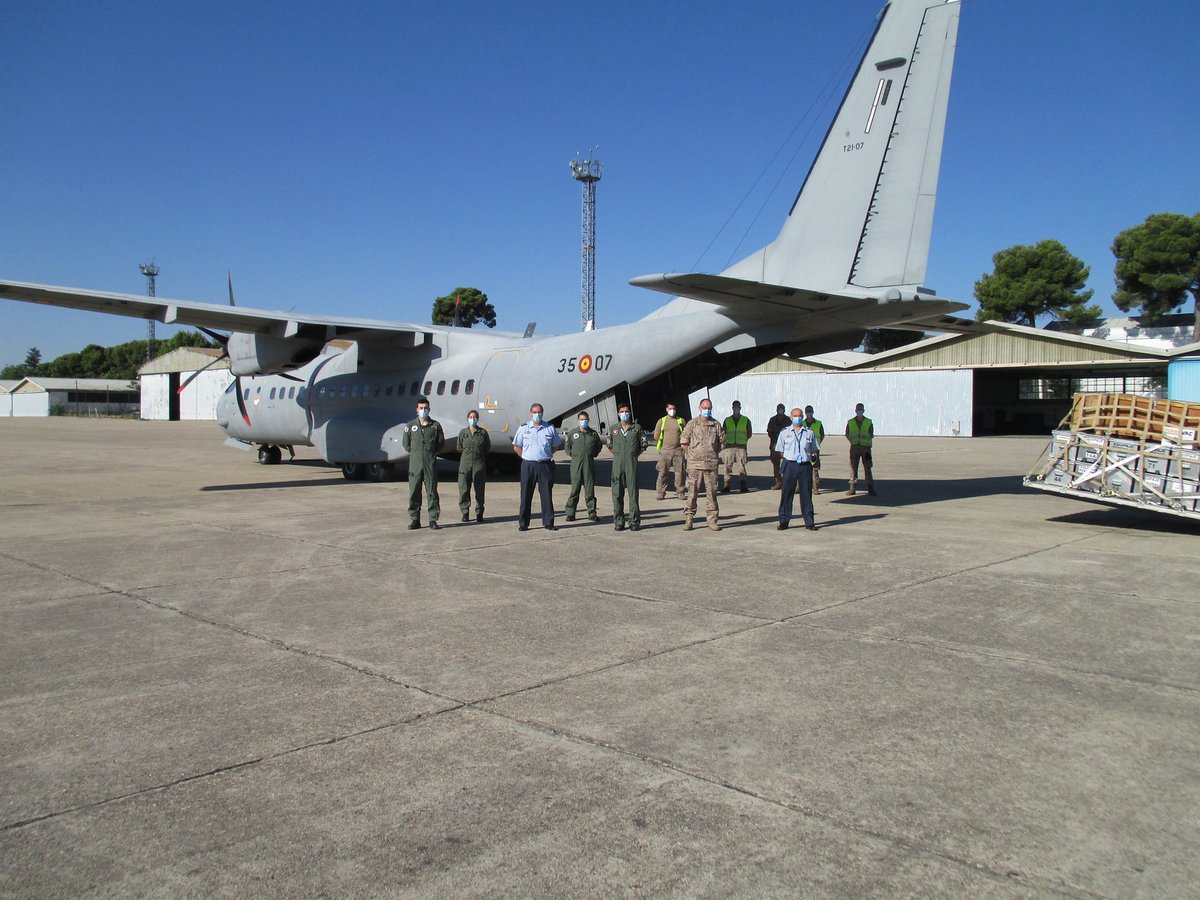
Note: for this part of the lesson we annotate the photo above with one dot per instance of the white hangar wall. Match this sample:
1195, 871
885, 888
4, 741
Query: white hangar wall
925, 403
198, 400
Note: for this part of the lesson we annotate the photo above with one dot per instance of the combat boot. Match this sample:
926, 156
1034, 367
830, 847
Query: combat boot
777, 485
687, 524
852, 491
745, 490
871, 490
713, 526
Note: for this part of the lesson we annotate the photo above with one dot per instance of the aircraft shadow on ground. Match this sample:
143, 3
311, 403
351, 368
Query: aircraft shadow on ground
1123, 518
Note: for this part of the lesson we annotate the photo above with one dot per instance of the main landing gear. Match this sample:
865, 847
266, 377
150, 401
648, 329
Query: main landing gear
372, 471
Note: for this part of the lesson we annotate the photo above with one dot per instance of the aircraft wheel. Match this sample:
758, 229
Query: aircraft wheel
352, 471
378, 471
264, 455
275, 454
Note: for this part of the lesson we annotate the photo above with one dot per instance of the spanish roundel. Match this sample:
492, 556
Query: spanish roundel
585, 364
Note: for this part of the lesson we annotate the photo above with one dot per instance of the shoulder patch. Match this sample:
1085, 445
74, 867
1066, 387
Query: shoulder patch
416, 427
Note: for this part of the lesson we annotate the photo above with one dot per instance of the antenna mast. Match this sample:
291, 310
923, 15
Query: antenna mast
150, 270
587, 172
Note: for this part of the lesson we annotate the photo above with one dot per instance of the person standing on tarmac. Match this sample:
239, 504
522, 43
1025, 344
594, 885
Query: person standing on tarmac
626, 441
818, 429
737, 436
423, 439
703, 439
535, 443
776, 424
670, 454
473, 445
583, 446
860, 432
798, 446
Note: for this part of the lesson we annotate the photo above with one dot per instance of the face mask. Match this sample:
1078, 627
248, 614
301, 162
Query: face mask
737, 411
625, 417
796, 420
423, 413
473, 422
707, 413
537, 417
583, 423
670, 411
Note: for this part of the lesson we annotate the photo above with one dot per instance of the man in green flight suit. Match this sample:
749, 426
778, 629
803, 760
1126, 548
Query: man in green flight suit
583, 446
474, 444
423, 438
626, 441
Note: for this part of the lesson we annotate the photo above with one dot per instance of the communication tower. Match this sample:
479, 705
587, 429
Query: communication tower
150, 270
587, 172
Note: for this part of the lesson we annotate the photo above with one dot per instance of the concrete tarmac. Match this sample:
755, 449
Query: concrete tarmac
224, 678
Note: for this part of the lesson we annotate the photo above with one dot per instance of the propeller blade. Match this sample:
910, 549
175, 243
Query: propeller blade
290, 377
222, 339
199, 372
237, 387
229, 275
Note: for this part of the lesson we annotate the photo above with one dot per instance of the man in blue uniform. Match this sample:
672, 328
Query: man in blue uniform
535, 442
798, 447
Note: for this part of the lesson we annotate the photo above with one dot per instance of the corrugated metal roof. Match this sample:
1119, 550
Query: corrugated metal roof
36, 385
6, 385
184, 359
1003, 346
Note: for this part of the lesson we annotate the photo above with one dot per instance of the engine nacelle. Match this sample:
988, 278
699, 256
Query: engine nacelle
263, 354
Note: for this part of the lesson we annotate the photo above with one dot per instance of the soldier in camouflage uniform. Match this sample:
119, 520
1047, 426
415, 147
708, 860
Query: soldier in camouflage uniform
423, 438
626, 441
703, 439
583, 446
474, 444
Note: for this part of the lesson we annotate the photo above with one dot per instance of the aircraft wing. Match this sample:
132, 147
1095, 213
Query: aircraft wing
210, 315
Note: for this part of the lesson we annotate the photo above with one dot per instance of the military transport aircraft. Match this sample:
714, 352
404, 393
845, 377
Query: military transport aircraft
851, 256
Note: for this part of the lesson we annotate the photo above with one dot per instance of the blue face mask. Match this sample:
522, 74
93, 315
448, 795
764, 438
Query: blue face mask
707, 413
423, 413
474, 423
624, 417
796, 420
537, 417
583, 423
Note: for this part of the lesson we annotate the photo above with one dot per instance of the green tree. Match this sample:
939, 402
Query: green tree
33, 358
1032, 281
473, 307
1158, 265
877, 340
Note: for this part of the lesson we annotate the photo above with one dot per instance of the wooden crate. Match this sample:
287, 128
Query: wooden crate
1131, 416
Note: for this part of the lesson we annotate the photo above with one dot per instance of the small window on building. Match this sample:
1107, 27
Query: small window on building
470, 385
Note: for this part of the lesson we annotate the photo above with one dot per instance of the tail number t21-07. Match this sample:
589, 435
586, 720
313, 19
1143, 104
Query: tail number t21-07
585, 364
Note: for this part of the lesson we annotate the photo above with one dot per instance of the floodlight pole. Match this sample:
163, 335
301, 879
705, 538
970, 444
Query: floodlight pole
587, 172
150, 270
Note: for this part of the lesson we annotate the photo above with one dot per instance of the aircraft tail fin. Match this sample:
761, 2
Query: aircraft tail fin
865, 212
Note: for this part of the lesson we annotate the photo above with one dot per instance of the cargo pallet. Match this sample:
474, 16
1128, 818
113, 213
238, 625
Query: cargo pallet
1125, 450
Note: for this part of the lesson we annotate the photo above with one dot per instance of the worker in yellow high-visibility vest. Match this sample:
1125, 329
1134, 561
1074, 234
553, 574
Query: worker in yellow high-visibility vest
860, 432
737, 436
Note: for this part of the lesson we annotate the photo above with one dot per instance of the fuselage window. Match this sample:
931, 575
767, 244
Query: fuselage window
387, 392
354, 390
321, 392
258, 390
272, 397
291, 393
470, 385
416, 388
246, 395
441, 388
345, 390
428, 388
454, 385
379, 387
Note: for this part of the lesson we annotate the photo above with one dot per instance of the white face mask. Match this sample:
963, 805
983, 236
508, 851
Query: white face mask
670, 411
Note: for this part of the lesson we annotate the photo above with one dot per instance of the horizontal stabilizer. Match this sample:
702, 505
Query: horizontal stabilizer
733, 292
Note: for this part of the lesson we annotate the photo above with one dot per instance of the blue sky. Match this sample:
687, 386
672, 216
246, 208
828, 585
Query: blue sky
365, 159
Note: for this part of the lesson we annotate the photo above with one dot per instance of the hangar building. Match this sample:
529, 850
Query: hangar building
161, 377
38, 396
1013, 380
